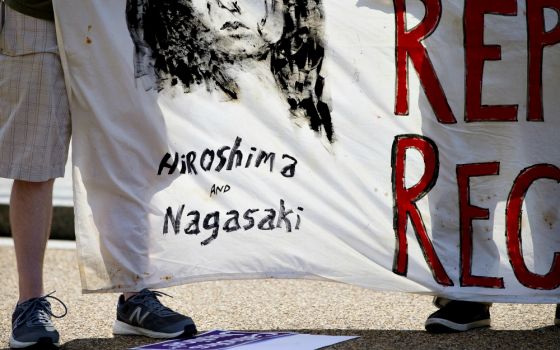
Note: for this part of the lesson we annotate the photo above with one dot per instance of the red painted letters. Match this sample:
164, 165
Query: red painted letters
476, 53
468, 213
404, 203
409, 45
538, 39
551, 280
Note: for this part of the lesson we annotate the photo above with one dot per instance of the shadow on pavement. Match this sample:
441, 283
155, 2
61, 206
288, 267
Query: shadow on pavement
116, 343
541, 338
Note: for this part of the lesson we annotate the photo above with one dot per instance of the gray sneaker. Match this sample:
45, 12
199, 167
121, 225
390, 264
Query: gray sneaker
144, 314
32, 327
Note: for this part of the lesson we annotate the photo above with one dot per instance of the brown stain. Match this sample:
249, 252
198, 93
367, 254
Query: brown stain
88, 39
166, 278
113, 271
550, 218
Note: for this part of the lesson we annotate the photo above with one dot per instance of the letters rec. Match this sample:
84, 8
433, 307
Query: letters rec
409, 47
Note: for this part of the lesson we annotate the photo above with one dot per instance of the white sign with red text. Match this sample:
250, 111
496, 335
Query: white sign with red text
395, 145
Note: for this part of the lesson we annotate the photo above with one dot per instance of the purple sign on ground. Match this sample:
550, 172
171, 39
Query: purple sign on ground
215, 340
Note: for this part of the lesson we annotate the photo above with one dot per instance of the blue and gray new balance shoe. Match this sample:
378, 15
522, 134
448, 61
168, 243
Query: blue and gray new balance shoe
32, 327
144, 314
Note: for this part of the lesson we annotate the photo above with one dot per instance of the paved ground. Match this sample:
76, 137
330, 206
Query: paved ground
384, 321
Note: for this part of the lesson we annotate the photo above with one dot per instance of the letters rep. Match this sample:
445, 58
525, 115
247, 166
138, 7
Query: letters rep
409, 46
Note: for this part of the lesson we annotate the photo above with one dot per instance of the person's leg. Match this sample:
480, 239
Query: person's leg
30, 221
457, 316
34, 139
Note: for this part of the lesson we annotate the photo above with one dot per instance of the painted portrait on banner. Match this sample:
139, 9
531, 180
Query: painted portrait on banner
212, 44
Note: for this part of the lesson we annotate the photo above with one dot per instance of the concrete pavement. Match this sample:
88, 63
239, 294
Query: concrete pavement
382, 320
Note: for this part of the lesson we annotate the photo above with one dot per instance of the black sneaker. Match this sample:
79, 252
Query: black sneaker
458, 316
143, 314
557, 316
32, 326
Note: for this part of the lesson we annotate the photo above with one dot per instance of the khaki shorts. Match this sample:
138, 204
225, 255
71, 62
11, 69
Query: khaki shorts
34, 116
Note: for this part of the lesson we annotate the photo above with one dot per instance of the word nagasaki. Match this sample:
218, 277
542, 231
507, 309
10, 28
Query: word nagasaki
266, 220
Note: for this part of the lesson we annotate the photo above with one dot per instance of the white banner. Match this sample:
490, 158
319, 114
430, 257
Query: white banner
396, 145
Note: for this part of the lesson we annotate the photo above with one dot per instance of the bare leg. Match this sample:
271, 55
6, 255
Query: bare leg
30, 221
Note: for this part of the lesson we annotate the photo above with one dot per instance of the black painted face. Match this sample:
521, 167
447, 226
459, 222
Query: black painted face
241, 27
188, 43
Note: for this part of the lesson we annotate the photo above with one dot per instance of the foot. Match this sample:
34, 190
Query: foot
144, 314
32, 327
458, 316
557, 316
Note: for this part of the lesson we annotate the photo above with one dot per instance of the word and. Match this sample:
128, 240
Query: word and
265, 220
404, 208
225, 158
219, 189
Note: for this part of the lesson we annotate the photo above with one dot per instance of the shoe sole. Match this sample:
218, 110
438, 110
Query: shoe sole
440, 325
121, 328
42, 343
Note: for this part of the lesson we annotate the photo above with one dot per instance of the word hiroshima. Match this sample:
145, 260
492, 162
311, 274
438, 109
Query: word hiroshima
225, 158
266, 220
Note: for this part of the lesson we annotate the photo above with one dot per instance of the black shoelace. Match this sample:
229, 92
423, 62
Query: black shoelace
38, 311
150, 300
